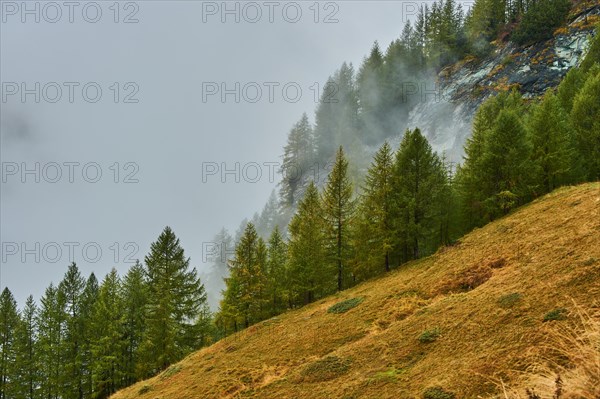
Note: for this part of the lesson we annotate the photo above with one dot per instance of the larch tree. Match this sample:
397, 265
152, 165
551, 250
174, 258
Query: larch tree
135, 302
338, 211
27, 356
311, 275
418, 181
175, 293
9, 321
373, 227
71, 289
277, 276
107, 348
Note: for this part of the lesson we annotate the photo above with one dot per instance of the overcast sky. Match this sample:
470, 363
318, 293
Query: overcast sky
159, 121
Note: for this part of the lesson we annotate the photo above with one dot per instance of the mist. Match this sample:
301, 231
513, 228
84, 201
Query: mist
109, 128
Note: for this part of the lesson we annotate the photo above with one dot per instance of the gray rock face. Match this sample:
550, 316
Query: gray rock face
445, 116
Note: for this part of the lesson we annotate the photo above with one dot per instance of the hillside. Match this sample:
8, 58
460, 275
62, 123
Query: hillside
486, 297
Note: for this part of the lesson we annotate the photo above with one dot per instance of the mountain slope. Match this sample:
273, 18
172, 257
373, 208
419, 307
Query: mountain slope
481, 301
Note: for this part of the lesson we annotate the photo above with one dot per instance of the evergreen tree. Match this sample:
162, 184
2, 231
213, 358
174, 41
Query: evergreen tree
337, 116
134, 291
174, 299
248, 279
586, 124
505, 164
475, 185
9, 320
277, 278
553, 157
338, 210
418, 181
373, 228
269, 217
51, 323
27, 357
88, 302
107, 348
298, 159
70, 290
569, 87
311, 275
221, 251
540, 20
370, 90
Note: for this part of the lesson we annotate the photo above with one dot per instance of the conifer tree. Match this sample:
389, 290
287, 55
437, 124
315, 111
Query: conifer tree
88, 302
135, 301
552, 155
243, 299
277, 278
298, 159
505, 164
27, 357
107, 348
51, 323
338, 211
586, 124
175, 296
418, 181
9, 320
312, 276
70, 290
374, 226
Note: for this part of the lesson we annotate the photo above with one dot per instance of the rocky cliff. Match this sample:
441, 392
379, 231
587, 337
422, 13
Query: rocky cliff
446, 111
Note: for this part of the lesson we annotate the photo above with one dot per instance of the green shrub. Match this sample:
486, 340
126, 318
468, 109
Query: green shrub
509, 300
437, 393
344, 306
428, 336
145, 389
556, 314
540, 20
325, 369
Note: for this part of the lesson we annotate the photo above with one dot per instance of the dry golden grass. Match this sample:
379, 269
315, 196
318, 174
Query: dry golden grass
486, 296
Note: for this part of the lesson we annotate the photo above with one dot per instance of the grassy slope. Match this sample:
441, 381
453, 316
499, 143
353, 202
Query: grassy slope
548, 252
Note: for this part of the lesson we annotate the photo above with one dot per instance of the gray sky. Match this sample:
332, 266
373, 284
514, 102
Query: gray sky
165, 61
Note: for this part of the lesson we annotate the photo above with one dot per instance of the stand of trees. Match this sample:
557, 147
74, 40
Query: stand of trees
411, 202
87, 339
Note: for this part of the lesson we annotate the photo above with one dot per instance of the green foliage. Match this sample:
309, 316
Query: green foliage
338, 211
373, 234
555, 314
9, 320
429, 336
109, 339
419, 182
496, 174
278, 279
437, 393
509, 300
344, 306
326, 369
311, 273
593, 55
175, 296
298, 160
244, 299
145, 389
26, 365
540, 20
586, 124
553, 147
